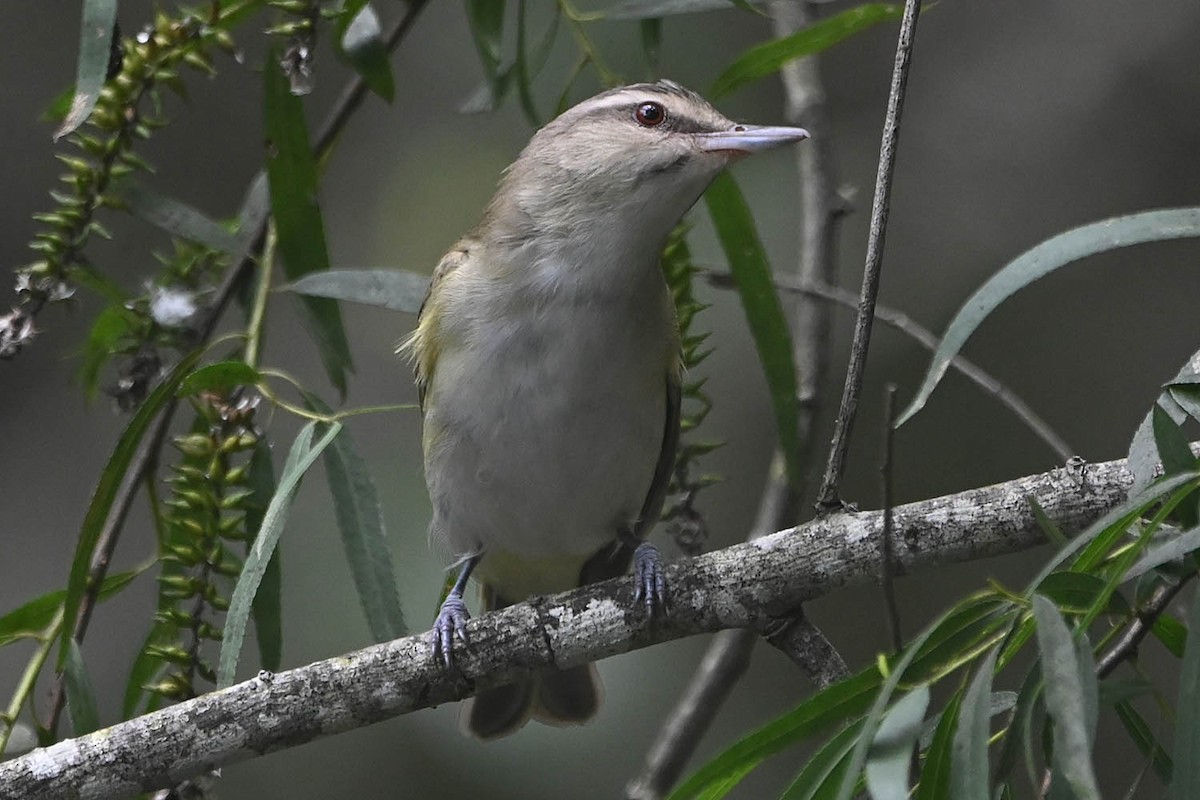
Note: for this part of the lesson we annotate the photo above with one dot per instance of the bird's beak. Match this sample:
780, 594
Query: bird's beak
747, 139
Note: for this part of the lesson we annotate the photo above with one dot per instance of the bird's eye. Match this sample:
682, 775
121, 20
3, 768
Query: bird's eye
649, 115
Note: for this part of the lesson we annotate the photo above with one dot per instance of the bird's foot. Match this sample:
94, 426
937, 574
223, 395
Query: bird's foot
451, 622
649, 580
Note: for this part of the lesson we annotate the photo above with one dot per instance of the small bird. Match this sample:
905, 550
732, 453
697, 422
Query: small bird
547, 359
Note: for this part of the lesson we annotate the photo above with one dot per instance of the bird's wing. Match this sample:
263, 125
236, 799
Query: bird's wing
421, 347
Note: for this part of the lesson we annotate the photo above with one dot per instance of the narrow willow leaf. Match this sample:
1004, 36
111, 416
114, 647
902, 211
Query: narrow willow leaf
219, 377
891, 752
268, 601
936, 771
1176, 455
764, 313
31, 620
106, 493
824, 771
360, 521
1171, 633
95, 49
766, 59
1068, 247
292, 178
176, 218
1143, 452
81, 697
1066, 700
969, 754
1053, 533
112, 325
145, 667
1145, 741
486, 18
363, 46
1185, 782
299, 459
962, 636
652, 9
393, 289
1174, 548
834, 705
1077, 592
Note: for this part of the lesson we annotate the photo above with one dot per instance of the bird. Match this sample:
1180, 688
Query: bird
547, 358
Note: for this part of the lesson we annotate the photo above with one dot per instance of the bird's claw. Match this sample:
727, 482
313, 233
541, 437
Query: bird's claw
649, 580
451, 622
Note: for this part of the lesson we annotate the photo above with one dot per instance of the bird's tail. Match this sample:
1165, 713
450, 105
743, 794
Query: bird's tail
557, 697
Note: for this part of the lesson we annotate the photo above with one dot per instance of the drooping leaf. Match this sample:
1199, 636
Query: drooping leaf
1145, 741
1143, 451
764, 313
1176, 455
361, 41
1171, 633
826, 768
111, 327
393, 289
766, 59
360, 521
891, 752
1185, 781
292, 178
1067, 700
836, 704
1173, 548
219, 377
300, 458
1077, 592
969, 753
81, 697
649, 9
486, 18
1065, 248
935, 774
95, 50
106, 492
1018, 736
32, 620
268, 602
176, 217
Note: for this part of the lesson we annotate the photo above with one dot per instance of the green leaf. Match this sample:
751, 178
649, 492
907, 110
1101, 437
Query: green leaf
360, 521
219, 377
1176, 456
393, 289
961, 636
145, 667
1076, 592
299, 459
112, 325
825, 770
1066, 700
1145, 741
81, 697
176, 218
647, 9
969, 754
1185, 783
95, 50
1097, 237
891, 751
766, 59
363, 46
1171, 633
486, 18
829, 707
764, 313
1173, 548
935, 774
268, 605
31, 620
1018, 735
1143, 451
292, 178
106, 492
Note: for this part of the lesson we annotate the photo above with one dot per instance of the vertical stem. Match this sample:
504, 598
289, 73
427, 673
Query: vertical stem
829, 497
258, 313
885, 541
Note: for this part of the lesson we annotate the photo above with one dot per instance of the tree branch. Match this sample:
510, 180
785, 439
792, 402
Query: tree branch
744, 586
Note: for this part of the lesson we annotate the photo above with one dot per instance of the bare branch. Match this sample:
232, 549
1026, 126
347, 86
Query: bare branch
829, 498
744, 586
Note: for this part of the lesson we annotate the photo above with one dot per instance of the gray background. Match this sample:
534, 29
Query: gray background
1023, 119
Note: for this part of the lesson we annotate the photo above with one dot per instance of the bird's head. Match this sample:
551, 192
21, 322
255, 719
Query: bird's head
638, 155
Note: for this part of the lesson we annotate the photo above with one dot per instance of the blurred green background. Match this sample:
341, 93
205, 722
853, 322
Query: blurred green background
1023, 119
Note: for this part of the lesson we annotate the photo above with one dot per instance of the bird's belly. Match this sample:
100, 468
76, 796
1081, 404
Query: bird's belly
542, 448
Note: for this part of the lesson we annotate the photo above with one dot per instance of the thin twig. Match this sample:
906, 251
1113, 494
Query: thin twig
928, 340
885, 541
729, 654
1126, 648
140, 465
829, 497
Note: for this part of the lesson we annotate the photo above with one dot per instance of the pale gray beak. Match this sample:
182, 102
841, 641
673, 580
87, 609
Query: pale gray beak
749, 138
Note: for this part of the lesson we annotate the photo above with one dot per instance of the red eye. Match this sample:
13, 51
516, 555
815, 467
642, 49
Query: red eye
650, 114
